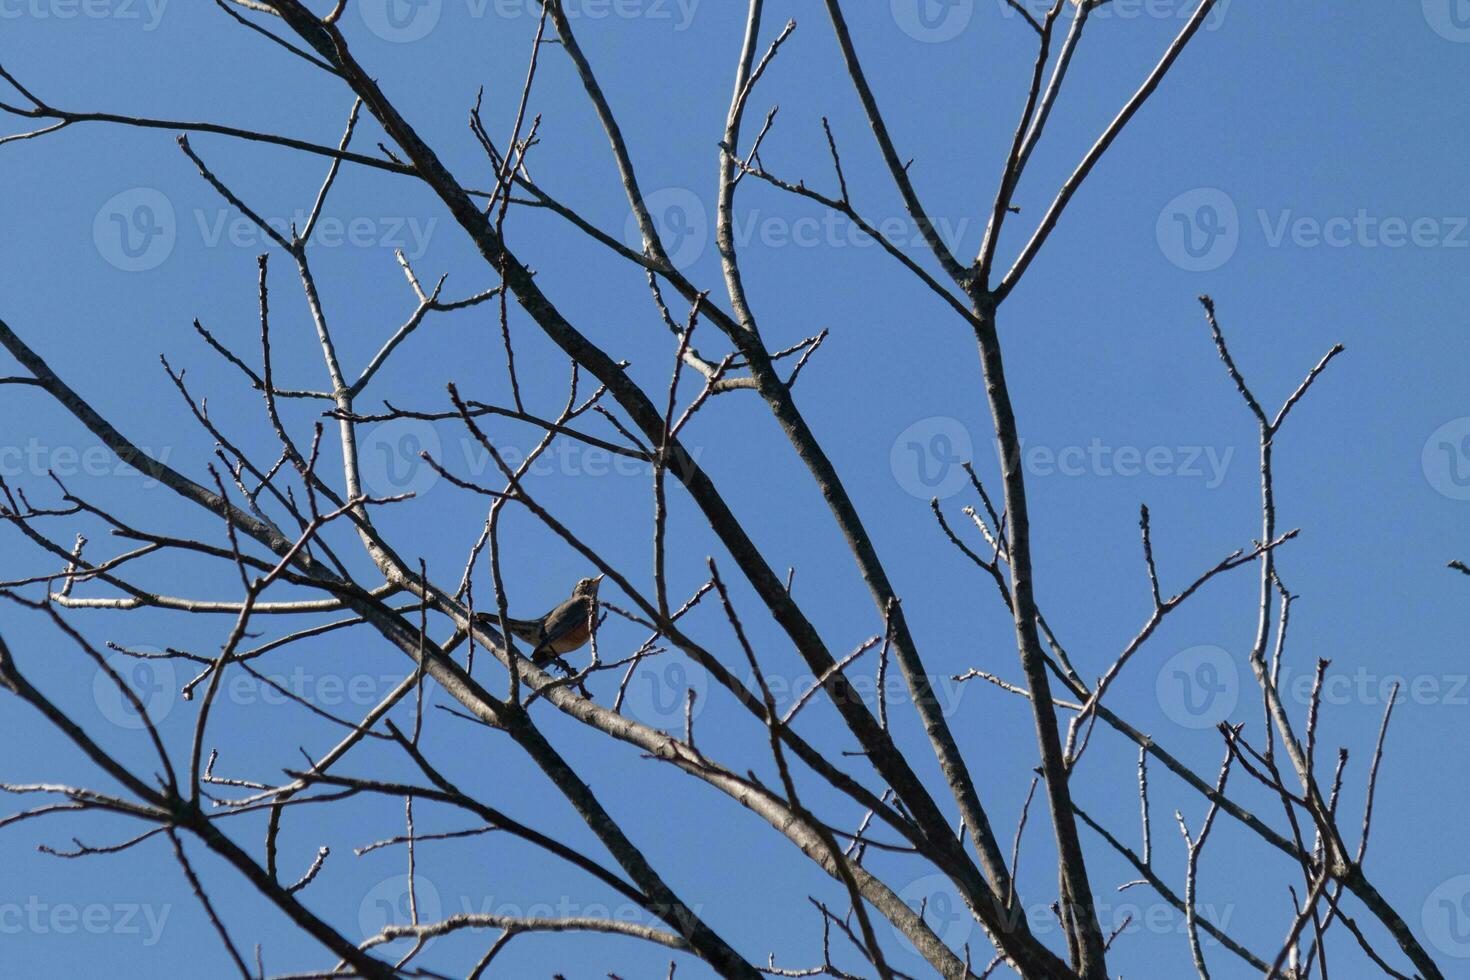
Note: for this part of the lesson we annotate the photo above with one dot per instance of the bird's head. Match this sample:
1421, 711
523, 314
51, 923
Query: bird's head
588, 587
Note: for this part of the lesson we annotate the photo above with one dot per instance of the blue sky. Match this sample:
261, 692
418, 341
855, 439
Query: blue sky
1304, 166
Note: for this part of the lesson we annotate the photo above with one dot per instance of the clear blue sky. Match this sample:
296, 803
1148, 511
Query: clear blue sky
1304, 165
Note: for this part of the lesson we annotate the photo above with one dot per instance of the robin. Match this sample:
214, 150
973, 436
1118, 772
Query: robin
564, 629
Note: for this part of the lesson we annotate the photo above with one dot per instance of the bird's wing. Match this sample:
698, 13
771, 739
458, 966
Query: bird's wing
565, 617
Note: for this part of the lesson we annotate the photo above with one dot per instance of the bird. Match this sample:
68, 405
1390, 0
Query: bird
564, 629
